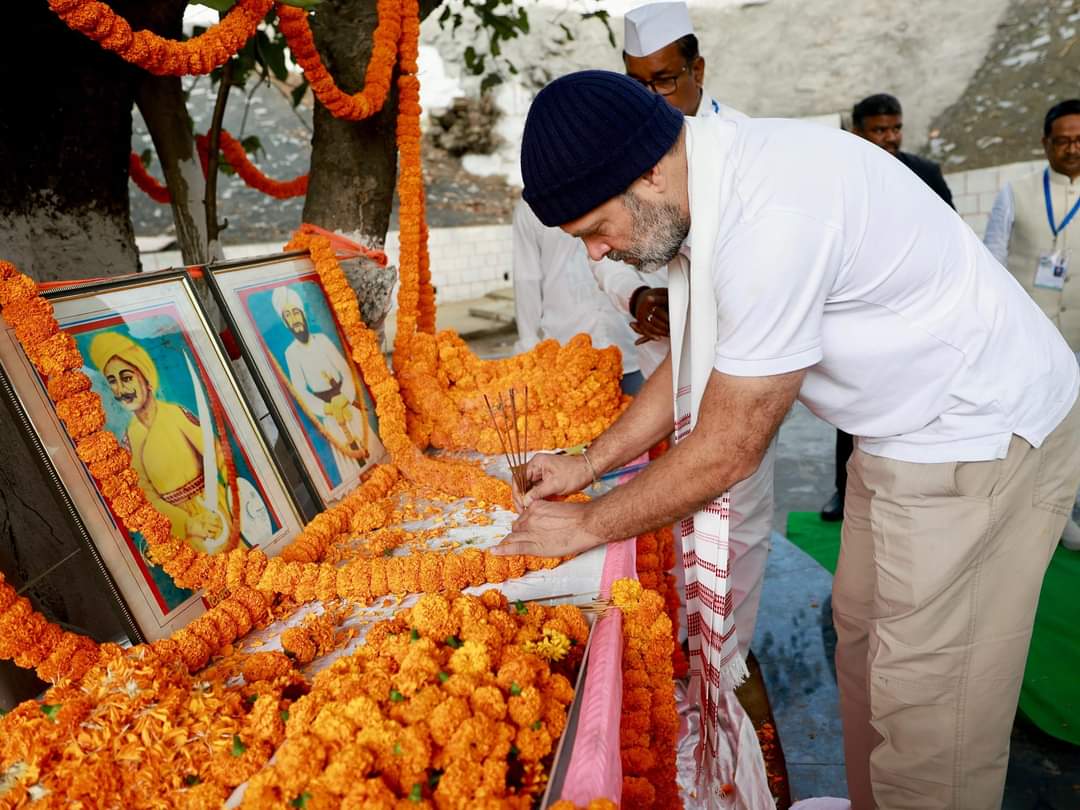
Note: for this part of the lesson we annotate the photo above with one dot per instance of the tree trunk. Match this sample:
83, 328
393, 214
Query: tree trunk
64, 214
353, 164
161, 102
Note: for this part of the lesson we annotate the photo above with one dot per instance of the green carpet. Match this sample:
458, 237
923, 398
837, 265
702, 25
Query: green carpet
1051, 693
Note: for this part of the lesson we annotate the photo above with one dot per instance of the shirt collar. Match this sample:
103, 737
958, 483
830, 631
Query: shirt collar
1059, 179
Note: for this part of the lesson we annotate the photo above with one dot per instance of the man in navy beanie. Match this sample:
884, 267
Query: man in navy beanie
806, 263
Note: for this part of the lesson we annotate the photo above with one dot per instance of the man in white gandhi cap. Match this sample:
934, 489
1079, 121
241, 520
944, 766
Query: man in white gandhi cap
324, 384
660, 51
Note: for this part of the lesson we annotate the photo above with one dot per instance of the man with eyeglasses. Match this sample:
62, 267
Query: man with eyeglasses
660, 51
1031, 232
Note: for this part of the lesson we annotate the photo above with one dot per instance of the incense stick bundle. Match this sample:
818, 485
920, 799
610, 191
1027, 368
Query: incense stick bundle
514, 448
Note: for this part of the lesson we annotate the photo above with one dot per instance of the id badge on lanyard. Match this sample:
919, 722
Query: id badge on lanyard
1053, 266
1050, 273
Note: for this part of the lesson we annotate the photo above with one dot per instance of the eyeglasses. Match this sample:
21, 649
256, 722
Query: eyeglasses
664, 85
1060, 142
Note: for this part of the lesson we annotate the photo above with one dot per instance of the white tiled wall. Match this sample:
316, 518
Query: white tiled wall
974, 191
465, 262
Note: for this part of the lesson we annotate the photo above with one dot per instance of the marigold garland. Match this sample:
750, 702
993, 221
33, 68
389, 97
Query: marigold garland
33, 642
156, 54
237, 157
649, 728
156, 191
293, 23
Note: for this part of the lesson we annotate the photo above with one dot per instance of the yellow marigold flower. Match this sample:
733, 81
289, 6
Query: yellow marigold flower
552, 647
626, 593
470, 658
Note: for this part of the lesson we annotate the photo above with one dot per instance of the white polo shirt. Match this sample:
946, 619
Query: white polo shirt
832, 256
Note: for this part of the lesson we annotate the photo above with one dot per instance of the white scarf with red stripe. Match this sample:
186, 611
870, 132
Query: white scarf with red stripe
715, 663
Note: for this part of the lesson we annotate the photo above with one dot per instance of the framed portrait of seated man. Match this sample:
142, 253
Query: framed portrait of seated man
171, 400
287, 331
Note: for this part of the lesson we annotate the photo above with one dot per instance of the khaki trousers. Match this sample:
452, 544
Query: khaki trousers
934, 599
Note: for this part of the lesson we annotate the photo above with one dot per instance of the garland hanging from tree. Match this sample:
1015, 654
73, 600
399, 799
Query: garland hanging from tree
159, 55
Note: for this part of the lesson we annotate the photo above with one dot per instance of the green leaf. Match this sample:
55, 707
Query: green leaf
285, 716
145, 156
50, 711
238, 747
396, 696
433, 780
414, 635
301, 3
251, 144
470, 58
398, 750
301, 800
535, 726
521, 607
3, 711
250, 699
513, 751
273, 55
192, 779
453, 642
515, 690
417, 793
443, 677
217, 5
299, 92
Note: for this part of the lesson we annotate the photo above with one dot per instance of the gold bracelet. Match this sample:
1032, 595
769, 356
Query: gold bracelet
592, 469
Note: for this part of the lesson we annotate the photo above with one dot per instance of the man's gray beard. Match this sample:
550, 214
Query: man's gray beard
661, 230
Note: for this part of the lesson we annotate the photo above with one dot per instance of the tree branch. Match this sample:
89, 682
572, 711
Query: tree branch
212, 229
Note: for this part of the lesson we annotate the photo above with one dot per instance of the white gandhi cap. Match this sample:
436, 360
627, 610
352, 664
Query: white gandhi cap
654, 26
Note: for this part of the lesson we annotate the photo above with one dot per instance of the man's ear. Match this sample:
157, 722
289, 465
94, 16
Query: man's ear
654, 181
698, 69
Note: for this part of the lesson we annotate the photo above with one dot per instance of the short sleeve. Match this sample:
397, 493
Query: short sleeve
771, 279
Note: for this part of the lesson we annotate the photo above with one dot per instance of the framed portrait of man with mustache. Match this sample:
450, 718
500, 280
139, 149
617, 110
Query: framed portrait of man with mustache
172, 401
296, 350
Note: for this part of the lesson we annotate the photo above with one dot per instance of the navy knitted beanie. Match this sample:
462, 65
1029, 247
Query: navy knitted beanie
588, 136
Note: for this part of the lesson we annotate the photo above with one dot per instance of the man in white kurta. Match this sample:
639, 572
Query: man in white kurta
323, 381
660, 51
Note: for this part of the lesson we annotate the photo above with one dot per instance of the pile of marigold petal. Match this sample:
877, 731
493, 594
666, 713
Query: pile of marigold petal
457, 702
141, 731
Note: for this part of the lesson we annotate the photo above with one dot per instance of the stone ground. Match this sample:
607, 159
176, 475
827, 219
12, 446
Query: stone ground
795, 639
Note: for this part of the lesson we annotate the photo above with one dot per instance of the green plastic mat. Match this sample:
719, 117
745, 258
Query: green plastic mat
1051, 693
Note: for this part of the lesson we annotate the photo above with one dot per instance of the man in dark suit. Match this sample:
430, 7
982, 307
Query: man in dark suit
880, 119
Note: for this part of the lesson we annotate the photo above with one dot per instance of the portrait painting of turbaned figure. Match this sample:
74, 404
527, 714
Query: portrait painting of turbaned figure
172, 402
283, 317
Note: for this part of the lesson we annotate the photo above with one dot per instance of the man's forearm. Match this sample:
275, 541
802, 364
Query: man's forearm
648, 420
673, 486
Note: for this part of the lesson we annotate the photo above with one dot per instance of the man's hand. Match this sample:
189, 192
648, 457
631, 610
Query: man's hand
204, 524
550, 474
550, 529
651, 315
